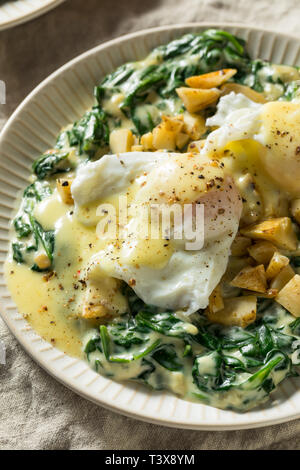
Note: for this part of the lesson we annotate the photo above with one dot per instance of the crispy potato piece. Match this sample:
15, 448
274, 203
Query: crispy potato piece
295, 210
147, 141
289, 296
121, 140
163, 138
238, 311
211, 79
103, 299
165, 135
251, 278
262, 251
215, 300
240, 245
284, 276
174, 123
245, 90
194, 125
91, 311
181, 140
195, 99
64, 190
234, 266
42, 261
278, 231
277, 263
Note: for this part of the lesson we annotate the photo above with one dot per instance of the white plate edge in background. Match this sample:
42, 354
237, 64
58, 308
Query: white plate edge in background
13, 13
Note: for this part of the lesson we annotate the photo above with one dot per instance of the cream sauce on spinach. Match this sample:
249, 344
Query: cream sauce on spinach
225, 367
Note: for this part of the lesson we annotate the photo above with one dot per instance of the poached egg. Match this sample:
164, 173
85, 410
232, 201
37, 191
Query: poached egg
162, 270
273, 125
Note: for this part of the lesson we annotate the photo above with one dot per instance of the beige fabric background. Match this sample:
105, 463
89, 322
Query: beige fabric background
36, 412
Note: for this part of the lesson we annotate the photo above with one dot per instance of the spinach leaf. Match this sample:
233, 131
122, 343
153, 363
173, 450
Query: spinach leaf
263, 305
93, 345
34, 193
45, 237
145, 81
127, 334
165, 323
28, 229
113, 353
169, 66
116, 78
22, 227
291, 90
295, 327
207, 371
274, 360
62, 140
166, 356
215, 47
17, 252
144, 352
105, 341
50, 163
37, 191
207, 338
265, 340
91, 132
145, 374
135, 304
251, 349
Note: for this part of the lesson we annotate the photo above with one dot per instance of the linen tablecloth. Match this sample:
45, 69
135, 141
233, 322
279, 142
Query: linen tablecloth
36, 412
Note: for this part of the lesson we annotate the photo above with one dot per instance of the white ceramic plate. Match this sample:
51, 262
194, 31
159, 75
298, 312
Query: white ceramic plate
14, 12
33, 127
